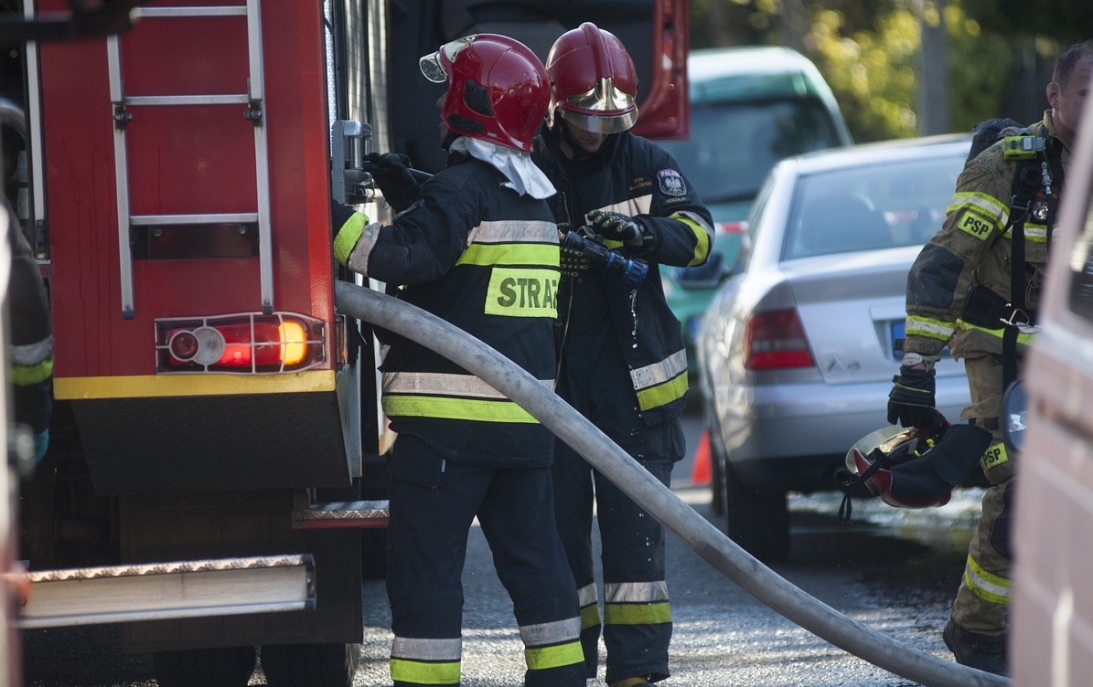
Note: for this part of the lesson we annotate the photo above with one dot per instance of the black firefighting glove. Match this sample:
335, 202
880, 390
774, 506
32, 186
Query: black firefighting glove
617, 227
392, 175
911, 401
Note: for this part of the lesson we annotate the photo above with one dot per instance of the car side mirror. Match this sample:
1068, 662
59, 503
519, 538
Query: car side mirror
706, 276
1014, 420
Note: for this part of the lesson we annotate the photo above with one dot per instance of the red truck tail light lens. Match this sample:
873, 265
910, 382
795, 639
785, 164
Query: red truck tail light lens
775, 340
247, 343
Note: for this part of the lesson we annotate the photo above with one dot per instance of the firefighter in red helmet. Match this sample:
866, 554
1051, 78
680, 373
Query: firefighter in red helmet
477, 246
622, 361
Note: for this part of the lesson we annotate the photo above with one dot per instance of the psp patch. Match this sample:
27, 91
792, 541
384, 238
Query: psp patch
671, 183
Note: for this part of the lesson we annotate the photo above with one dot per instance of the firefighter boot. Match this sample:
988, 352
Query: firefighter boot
985, 652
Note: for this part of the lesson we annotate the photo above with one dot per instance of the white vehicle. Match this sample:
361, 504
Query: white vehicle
1051, 641
797, 351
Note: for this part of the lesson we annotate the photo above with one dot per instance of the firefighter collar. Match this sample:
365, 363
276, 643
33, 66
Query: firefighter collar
524, 176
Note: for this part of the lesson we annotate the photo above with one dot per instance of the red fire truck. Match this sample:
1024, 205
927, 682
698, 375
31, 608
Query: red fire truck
217, 444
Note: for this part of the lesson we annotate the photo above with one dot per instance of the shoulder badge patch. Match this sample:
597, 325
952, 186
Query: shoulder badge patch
671, 183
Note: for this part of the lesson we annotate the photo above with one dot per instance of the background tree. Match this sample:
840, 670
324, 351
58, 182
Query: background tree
870, 52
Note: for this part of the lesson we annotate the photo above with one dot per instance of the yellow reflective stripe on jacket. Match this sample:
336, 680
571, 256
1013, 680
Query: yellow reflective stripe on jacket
449, 397
1024, 337
661, 383
29, 375
928, 328
488, 255
983, 205
636, 603
987, 586
347, 236
456, 409
703, 235
551, 645
1034, 233
426, 661
522, 292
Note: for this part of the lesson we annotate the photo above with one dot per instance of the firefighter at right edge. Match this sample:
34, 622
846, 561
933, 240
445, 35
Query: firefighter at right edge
622, 363
478, 247
947, 304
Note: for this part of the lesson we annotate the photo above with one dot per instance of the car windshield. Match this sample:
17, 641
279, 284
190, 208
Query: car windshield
734, 145
871, 206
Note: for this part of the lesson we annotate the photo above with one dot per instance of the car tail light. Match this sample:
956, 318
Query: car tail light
731, 227
247, 343
775, 340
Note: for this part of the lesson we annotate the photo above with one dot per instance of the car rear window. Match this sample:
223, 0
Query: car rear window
871, 206
734, 145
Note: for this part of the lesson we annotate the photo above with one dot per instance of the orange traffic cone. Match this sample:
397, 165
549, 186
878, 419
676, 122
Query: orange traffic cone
700, 474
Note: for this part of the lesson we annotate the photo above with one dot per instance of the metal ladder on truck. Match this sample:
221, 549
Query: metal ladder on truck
253, 99
193, 588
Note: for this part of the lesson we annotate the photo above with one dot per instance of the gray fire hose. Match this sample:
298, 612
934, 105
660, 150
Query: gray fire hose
606, 456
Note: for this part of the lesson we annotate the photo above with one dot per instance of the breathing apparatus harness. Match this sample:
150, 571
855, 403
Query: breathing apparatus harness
1034, 195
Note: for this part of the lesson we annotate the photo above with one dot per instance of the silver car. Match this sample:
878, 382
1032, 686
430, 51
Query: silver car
797, 351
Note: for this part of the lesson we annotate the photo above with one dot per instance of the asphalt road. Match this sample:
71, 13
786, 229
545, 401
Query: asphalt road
893, 570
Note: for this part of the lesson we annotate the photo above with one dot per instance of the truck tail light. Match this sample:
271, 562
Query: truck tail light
775, 340
247, 343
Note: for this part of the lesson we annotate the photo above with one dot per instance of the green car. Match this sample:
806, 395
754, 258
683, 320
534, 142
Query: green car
750, 107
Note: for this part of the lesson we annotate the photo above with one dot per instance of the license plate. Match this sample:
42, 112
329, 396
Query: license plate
898, 334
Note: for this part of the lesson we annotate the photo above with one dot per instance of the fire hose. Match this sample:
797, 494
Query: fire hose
658, 500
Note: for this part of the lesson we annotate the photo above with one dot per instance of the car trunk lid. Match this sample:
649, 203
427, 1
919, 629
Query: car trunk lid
852, 309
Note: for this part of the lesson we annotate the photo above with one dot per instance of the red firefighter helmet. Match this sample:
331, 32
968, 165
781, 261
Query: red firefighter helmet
917, 468
497, 88
593, 84
876, 459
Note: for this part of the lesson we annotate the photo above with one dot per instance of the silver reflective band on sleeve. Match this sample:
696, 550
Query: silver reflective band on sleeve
512, 231
358, 258
437, 384
661, 372
697, 219
631, 207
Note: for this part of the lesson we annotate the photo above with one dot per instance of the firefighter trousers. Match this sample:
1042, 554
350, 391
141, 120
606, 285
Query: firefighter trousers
433, 505
982, 601
637, 618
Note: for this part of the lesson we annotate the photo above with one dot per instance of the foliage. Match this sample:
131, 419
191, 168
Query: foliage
868, 50
871, 72
1065, 21
975, 92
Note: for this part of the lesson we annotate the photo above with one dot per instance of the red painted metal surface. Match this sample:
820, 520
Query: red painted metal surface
185, 160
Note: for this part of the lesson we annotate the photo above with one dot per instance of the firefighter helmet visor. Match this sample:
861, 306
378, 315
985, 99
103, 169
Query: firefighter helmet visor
435, 65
